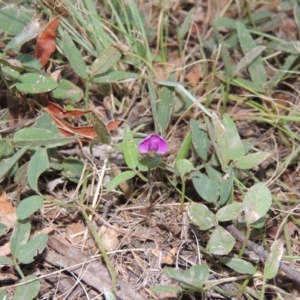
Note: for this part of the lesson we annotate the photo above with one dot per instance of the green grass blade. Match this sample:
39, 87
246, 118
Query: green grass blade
256, 68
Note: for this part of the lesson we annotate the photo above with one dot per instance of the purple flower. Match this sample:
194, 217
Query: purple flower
153, 144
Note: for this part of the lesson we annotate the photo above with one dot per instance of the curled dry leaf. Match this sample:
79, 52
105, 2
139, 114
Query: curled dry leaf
109, 238
45, 44
7, 211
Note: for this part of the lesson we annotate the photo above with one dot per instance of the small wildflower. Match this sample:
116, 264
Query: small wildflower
153, 144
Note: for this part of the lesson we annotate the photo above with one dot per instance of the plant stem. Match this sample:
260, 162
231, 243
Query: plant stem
102, 250
18, 268
246, 241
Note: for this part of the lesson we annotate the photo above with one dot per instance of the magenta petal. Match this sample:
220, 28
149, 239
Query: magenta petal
153, 144
144, 145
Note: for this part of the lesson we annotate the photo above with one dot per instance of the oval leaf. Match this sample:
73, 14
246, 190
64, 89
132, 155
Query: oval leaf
4, 260
199, 139
74, 56
35, 83
207, 188
39, 137
257, 202
273, 261
223, 150
38, 163
251, 160
67, 90
130, 149
201, 216
229, 212
119, 179
239, 265
20, 236
236, 145
221, 242
28, 290
35, 246
29, 206
184, 166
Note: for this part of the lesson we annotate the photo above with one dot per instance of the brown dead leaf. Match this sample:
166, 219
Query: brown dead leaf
74, 232
193, 76
59, 112
109, 238
7, 211
165, 257
45, 44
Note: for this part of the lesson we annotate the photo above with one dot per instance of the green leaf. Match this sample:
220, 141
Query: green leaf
183, 166
185, 26
102, 131
130, 149
257, 202
194, 277
227, 59
182, 89
119, 179
38, 163
107, 59
153, 101
36, 137
7, 165
287, 66
184, 147
67, 90
229, 212
256, 68
3, 294
116, 76
28, 289
274, 259
221, 242
248, 85
226, 185
10, 73
74, 56
3, 229
223, 150
20, 236
13, 18
29, 206
164, 289
29, 63
239, 265
44, 121
201, 216
72, 168
237, 149
29, 32
154, 162
32, 83
4, 260
6, 149
35, 245
251, 160
208, 189
199, 139
109, 295
165, 106
249, 58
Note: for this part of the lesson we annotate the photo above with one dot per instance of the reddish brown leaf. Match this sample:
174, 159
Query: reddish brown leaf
59, 112
45, 44
113, 124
